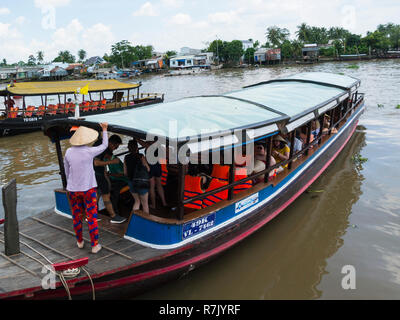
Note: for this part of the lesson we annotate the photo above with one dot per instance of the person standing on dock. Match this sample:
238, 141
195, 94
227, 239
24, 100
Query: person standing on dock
81, 181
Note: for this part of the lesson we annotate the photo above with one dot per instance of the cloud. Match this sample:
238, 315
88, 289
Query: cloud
181, 19
146, 10
20, 20
4, 11
228, 17
172, 3
51, 3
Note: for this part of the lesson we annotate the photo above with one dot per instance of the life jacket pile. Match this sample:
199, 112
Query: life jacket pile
193, 189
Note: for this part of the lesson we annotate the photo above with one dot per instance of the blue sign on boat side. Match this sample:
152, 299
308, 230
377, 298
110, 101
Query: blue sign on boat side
197, 226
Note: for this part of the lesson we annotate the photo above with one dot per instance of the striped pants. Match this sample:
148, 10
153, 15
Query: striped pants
82, 202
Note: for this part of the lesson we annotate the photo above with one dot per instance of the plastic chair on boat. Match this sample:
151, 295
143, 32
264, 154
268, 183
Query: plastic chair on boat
29, 111
103, 104
41, 111
86, 106
94, 105
52, 109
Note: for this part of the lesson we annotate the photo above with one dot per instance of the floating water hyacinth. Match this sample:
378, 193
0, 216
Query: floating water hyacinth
380, 105
398, 106
353, 66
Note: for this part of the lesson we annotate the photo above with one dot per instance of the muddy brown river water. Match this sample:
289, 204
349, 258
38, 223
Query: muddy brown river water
349, 216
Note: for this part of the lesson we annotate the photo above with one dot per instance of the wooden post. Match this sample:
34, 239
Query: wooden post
268, 159
61, 162
11, 230
181, 190
309, 129
293, 135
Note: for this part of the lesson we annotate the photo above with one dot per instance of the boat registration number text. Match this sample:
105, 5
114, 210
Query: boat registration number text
197, 226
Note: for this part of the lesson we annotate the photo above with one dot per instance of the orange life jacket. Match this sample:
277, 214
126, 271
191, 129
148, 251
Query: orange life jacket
241, 173
193, 189
103, 104
220, 172
217, 197
164, 174
13, 113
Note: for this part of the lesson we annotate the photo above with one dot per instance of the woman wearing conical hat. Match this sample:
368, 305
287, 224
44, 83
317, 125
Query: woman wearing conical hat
81, 181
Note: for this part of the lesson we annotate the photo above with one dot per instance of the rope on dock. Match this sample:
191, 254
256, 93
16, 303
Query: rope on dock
73, 234
60, 275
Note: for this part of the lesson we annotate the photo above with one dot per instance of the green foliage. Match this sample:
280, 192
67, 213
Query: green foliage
249, 55
327, 52
82, 55
277, 35
353, 66
65, 57
123, 53
40, 57
398, 106
31, 60
227, 52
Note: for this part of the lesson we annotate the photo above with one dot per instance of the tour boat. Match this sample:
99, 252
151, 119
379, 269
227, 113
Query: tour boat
197, 226
41, 101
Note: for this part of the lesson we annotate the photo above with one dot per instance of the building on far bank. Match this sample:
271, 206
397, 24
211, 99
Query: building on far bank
201, 60
267, 56
310, 52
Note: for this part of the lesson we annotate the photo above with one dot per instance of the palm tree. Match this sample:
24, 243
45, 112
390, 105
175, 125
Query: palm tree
40, 56
82, 55
303, 32
277, 35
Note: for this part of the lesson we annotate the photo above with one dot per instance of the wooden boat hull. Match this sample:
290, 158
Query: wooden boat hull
136, 278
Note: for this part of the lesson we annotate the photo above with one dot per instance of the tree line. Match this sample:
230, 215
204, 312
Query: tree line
385, 37
123, 53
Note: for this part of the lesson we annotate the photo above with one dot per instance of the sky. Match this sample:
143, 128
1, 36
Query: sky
27, 26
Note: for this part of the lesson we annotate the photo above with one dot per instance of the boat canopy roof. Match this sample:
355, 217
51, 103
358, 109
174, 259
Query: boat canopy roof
264, 108
66, 87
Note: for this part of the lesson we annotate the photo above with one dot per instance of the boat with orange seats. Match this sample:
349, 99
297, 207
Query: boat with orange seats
41, 101
214, 200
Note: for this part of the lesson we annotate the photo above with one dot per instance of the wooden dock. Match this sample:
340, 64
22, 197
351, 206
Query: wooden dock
49, 238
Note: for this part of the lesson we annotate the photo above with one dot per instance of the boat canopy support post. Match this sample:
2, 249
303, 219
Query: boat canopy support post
61, 162
181, 190
268, 157
292, 136
11, 230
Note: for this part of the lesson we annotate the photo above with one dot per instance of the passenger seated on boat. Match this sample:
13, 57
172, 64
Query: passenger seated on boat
280, 150
303, 136
327, 124
137, 170
260, 162
103, 182
315, 128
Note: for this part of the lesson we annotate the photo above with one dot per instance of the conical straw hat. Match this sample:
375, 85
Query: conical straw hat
83, 136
